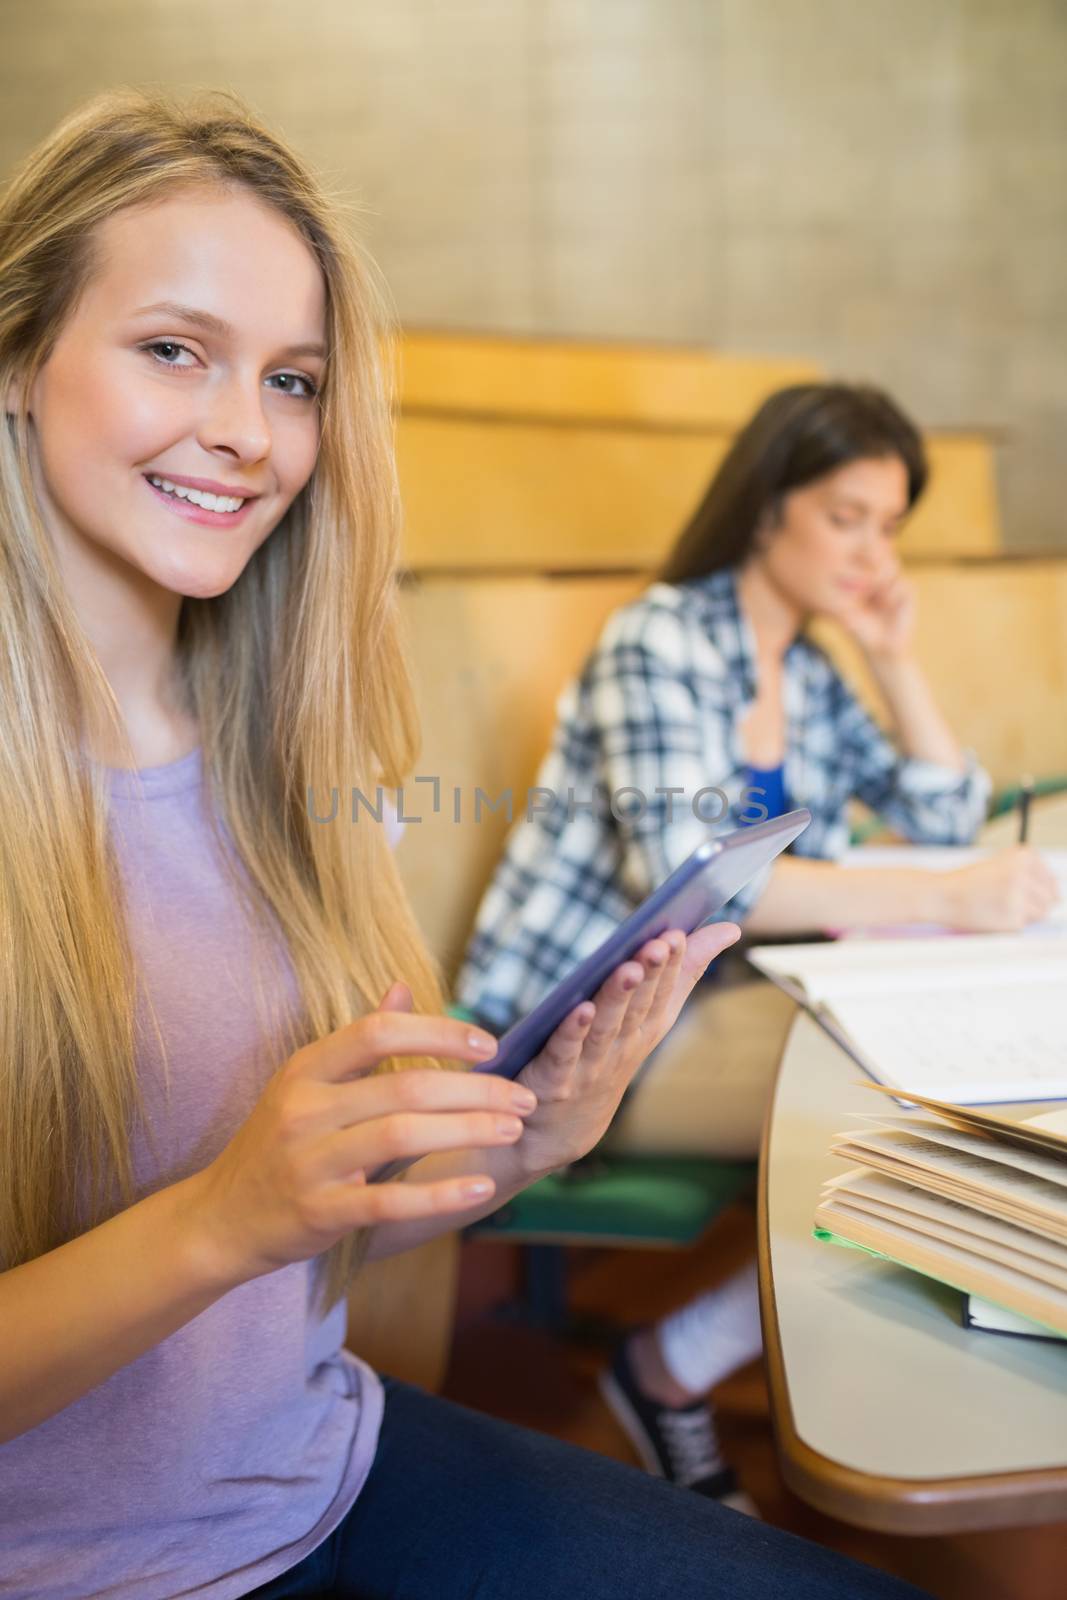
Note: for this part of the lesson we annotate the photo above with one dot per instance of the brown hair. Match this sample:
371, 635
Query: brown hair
797, 435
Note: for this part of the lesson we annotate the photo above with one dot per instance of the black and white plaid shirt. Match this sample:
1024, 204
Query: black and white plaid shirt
656, 713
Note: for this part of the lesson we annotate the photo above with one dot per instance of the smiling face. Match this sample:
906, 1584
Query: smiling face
832, 547
128, 392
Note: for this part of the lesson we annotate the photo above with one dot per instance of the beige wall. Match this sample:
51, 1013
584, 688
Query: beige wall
881, 187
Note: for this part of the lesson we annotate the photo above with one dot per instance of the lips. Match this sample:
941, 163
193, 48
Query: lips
194, 513
206, 485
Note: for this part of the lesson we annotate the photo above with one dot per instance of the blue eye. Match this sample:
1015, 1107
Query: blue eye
311, 392
298, 377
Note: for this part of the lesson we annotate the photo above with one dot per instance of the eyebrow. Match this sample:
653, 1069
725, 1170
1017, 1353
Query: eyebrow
212, 324
861, 505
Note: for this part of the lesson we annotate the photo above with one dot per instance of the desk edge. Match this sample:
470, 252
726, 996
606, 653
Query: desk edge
867, 1500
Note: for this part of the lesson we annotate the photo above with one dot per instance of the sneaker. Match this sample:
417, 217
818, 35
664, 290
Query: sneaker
679, 1443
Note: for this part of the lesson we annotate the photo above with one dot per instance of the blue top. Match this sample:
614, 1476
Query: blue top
771, 781
769, 784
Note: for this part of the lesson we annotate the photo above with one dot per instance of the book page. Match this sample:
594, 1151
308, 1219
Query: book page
1047, 1131
910, 1197
1048, 1122
851, 967
938, 1218
950, 1264
975, 1043
1004, 1192
1051, 1168
993, 1253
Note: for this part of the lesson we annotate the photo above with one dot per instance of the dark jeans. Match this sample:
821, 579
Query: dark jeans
459, 1506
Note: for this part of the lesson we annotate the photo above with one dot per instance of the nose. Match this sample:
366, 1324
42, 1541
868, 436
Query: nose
234, 422
869, 548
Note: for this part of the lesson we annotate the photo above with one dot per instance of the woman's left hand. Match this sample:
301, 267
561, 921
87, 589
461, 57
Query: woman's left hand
581, 1074
884, 622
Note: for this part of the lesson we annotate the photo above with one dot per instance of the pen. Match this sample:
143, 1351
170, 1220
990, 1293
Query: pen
1026, 794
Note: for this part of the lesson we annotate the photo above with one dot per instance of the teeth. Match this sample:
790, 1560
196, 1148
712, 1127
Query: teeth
198, 497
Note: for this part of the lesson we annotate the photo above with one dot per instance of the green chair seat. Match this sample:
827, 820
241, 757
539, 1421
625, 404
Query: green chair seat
610, 1201
619, 1200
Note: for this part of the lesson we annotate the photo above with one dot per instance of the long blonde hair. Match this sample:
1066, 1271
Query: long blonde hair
295, 675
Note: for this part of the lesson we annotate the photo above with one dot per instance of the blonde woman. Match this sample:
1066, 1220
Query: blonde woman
204, 988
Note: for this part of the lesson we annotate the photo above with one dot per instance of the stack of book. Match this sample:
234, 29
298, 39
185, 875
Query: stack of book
973, 1199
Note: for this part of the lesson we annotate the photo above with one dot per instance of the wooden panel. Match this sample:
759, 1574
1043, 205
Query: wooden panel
993, 639
543, 498
959, 515
530, 497
492, 653
545, 378
400, 1312
491, 657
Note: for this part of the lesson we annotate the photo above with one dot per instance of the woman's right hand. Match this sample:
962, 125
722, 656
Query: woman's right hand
293, 1179
1001, 894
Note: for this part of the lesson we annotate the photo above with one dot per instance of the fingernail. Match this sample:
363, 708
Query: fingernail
523, 1100
484, 1043
476, 1188
510, 1127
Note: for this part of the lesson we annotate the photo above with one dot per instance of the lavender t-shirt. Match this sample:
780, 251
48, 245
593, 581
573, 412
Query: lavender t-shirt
225, 1454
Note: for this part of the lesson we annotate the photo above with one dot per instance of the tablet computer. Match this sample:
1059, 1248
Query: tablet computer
691, 896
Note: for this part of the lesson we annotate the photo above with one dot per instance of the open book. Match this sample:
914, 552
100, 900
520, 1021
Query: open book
980, 1017
959, 1195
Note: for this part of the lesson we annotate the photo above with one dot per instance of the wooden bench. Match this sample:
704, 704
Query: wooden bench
526, 456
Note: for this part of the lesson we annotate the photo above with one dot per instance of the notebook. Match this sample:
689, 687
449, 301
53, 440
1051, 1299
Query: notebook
985, 1317
981, 1017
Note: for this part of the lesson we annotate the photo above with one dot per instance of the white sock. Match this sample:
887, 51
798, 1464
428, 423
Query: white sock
714, 1335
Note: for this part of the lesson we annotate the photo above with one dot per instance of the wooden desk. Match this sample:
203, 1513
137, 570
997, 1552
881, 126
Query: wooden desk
888, 1413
